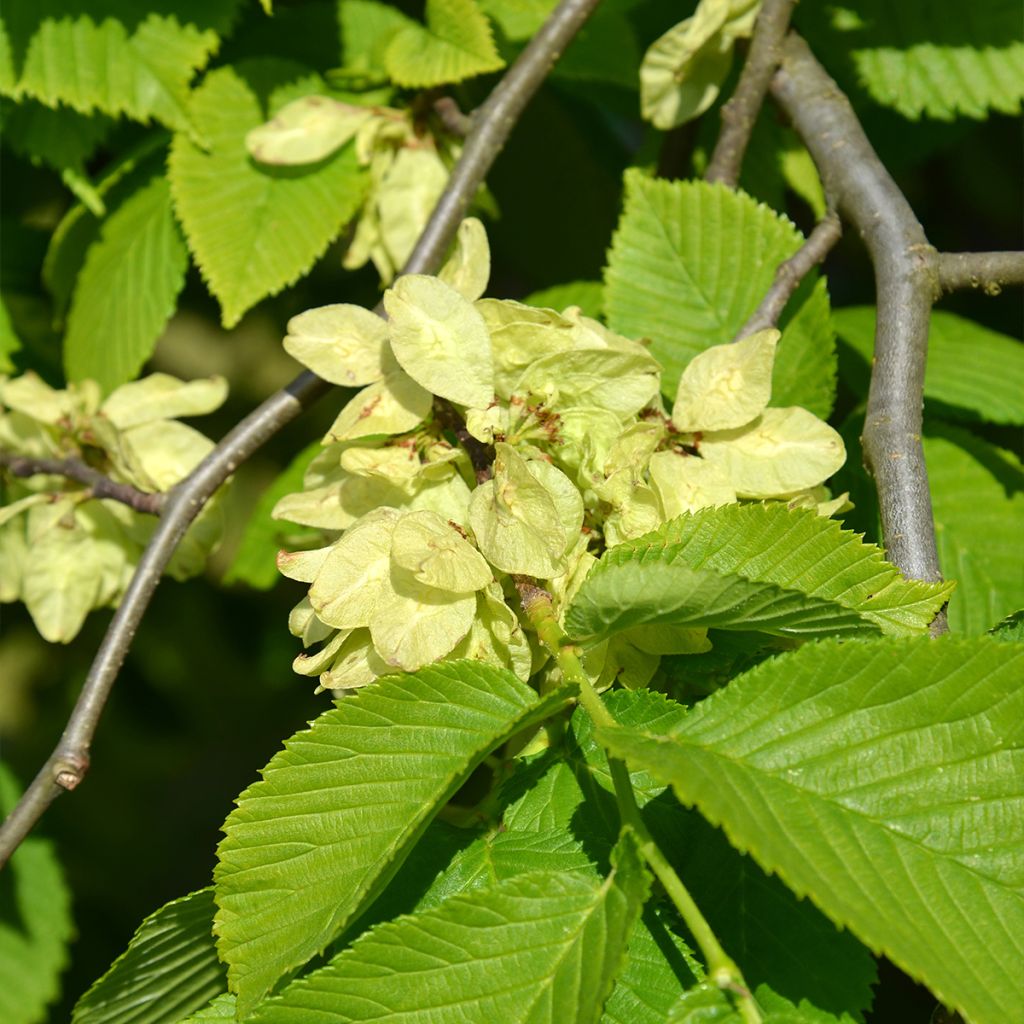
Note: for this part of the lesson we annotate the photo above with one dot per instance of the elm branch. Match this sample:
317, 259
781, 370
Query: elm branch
740, 114
74, 469
906, 286
989, 271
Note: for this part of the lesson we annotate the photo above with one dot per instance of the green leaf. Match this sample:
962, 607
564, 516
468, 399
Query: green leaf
313, 843
9, 340
688, 265
761, 567
255, 560
112, 57
708, 1004
519, 19
971, 368
659, 967
455, 44
221, 1008
883, 780
127, 290
967, 62
540, 947
497, 856
978, 505
80, 226
367, 28
576, 791
1011, 628
588, 295
62, 139
254, 230
169, 969
778, 939
35, 923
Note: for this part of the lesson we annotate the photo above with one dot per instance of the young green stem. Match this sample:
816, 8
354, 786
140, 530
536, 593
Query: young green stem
722, 969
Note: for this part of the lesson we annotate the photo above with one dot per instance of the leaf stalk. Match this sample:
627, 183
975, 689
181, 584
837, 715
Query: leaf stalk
723, 971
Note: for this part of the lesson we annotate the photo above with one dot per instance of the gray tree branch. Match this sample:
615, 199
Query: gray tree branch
989, 271
906, 284
740, 114
74, 469
492, 124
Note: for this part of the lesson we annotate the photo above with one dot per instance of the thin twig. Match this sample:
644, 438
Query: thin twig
905, 282
740, 113
789, 274
723, 971
989, 271
452, 119
492, 124
74, 469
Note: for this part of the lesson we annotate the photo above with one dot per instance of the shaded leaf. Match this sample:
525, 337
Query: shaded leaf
588, 295
978, 505
971, 368
169, 969
255, 560
35, 923
659, 967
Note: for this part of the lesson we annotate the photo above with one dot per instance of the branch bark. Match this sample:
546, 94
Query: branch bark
906, 286
492, 124
989, 271
789, 274
740, 114
74, 469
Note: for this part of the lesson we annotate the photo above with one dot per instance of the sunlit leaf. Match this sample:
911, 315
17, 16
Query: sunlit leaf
253, 230
774, 569
117, 58
456, 43
688, 265
539, 947
883, 780
302, 858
